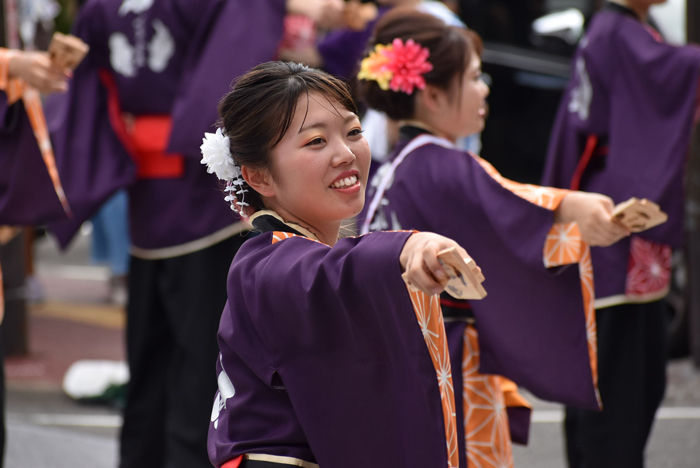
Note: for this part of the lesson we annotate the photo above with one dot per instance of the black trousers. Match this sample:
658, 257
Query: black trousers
173, 314
632, 380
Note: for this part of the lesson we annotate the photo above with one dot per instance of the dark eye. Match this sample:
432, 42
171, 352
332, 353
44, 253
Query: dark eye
315, 141
356, 132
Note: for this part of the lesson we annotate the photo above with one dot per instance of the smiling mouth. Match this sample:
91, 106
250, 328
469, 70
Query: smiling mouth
344, 183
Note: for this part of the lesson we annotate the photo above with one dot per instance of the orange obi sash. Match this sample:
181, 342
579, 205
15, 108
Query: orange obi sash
145, 137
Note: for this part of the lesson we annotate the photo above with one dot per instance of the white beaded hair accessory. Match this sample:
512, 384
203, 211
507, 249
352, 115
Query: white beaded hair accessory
216, 154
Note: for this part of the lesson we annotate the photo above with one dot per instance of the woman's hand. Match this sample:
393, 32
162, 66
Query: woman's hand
327, 14
37, 70
422, 269
593, 214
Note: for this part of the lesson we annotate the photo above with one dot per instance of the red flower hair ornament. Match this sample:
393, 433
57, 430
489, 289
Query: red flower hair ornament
398, 66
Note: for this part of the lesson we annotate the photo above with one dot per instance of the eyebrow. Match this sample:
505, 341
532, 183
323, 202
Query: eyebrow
324, 125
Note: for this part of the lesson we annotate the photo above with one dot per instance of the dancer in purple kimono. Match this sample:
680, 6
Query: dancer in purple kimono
133, 118
27, 192
327, 358
624, 129
536, 327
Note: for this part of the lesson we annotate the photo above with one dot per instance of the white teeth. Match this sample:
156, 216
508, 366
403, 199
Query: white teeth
346, 182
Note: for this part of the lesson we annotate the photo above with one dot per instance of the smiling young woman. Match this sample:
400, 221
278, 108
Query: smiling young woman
327, 358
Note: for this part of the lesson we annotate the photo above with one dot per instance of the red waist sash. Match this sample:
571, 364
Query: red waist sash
145, 137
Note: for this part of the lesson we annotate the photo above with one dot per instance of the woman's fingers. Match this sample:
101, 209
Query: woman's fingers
421, 278
419, 258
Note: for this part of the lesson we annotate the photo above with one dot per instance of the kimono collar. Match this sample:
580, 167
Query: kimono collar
410, 129
268, 220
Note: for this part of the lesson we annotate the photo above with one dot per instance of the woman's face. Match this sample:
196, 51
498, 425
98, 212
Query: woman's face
465, 113
320, 167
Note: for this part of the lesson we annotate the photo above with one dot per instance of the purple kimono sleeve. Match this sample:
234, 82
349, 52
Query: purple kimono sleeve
337, 328
91, 160
27, 195
650, 126
532, 326
235, 36
520, 226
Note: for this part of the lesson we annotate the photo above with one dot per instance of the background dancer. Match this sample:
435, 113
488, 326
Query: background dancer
617, 134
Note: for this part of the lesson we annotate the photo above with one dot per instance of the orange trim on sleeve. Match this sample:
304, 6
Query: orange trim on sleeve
511, 396
563, 245
13, 87
429, 315
545, 197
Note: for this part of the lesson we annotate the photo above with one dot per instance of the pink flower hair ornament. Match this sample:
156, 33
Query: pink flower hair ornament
397, 66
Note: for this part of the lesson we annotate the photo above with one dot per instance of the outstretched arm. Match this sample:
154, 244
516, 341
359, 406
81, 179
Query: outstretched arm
592, 213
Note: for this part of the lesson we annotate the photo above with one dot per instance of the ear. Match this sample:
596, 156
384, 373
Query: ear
432, 98
259, 180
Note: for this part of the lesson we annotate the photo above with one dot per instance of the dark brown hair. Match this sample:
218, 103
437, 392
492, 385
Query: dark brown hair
450, 49
258, 111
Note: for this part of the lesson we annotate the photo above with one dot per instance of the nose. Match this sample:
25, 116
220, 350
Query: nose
486, 90
343, 155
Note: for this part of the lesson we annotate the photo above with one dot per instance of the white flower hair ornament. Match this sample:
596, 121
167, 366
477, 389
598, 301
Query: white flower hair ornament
216, 154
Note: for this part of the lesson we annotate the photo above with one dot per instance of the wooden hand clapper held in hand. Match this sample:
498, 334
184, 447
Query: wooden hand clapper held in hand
465, 278
67, 51
639, 215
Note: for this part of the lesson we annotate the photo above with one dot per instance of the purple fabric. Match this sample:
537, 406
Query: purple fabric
519, 422
342, 49
642, 97
239, 35
91, 160
27, 196
336, 329
531, 325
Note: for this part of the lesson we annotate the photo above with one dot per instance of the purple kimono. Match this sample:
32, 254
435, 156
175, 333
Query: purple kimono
532, 326
342, 49
323, 362
27, 195
165, 59
623, 130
